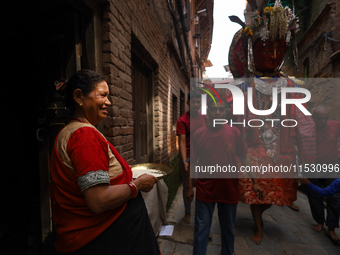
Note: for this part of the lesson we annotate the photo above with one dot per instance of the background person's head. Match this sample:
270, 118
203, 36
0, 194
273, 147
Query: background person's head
216, 111
194, 101
86, 95
320, 115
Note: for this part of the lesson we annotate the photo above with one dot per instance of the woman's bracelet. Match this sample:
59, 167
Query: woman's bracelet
134, 189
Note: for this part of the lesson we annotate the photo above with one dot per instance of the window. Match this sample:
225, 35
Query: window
306, 69
174, 110
197, 26
181, 103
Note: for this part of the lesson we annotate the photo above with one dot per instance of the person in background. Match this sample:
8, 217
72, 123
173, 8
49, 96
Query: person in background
96, 205
327, 133
256, 56
331, 189
217, 145
188, 123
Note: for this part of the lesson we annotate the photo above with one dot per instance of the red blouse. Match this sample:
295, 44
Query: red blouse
81, 158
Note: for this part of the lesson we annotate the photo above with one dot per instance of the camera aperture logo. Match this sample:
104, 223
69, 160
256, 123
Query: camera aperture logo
207, 91
238, 105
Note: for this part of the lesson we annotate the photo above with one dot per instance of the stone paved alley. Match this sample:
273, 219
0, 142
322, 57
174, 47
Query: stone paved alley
285, 232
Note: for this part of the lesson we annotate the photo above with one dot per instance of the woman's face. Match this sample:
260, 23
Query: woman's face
95, 104
268, 55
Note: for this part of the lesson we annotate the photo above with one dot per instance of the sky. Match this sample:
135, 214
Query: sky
223, 32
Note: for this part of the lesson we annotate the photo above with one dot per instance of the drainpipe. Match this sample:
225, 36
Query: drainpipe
181, 16
178, 36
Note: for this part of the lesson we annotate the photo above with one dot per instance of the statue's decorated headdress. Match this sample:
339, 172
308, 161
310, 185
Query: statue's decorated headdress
274, 21
267, 20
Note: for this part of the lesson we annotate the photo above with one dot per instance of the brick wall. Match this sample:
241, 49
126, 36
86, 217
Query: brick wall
312, 45
150, 23
315, 50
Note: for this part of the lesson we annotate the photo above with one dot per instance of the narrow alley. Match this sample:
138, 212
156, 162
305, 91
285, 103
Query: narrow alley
285, 232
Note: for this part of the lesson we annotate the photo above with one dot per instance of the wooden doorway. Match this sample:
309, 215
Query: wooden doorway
142, 86
46, 42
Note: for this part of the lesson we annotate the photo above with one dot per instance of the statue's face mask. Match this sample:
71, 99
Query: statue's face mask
268, 55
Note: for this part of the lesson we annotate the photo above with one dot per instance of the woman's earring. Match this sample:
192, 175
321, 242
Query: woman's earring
80, 104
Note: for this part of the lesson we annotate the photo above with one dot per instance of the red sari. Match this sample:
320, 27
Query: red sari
82, 151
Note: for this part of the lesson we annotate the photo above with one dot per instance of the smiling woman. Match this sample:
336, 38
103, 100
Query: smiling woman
86, 95
93, 107
97, 207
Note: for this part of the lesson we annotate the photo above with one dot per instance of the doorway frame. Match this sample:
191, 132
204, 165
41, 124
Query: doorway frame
94, 31
138, 49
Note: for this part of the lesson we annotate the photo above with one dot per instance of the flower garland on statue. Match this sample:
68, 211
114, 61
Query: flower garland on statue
272, 23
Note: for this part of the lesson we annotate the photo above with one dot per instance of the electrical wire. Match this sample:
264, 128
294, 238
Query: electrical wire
330, 39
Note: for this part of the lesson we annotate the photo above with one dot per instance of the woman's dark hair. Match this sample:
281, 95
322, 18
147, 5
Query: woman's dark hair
85, 80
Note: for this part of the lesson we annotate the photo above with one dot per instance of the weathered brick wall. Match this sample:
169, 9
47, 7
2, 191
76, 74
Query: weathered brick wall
314, 49
336, 36
337, 23
150, 23
312, 46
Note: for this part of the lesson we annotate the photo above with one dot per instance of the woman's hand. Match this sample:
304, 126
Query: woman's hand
186, 166
259, 192
145, 182
190, 194
304, 181
102, 197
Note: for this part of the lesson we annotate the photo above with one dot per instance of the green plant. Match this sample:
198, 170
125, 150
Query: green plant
173, 181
